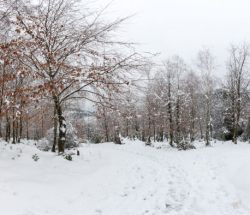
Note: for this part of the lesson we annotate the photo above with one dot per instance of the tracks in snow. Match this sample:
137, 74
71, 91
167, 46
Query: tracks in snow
175, 183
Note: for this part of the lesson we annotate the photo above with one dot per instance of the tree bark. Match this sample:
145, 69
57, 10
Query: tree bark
178, 128
20, 129
106, 127
7, 133
13, 127
170, 115
62, 126
208, 125
27, 128
55, 131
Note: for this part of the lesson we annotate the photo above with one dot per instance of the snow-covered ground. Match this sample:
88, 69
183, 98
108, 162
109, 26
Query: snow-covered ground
130, 179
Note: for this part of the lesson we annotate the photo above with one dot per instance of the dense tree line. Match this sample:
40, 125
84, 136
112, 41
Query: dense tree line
55, 56
182, 103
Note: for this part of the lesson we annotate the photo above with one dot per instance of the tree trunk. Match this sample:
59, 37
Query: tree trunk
238, 109
161, 133
234, 117
143, 138
62, 126
207, 138
20, 129
200, 126
170, 115
178, 128
127, 127
27, 128
106, 128
2, 97
13, 127
192, 129
7, 133
55, 131
1, 135
149, 125
42, 129
117, 139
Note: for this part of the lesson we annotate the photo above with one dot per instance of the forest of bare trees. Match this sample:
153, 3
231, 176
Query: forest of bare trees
182, 103
62, 66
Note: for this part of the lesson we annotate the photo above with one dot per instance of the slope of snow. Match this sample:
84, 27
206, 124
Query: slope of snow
130, 179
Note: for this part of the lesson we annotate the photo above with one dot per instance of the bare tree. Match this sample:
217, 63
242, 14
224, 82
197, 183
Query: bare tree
238, 84
206, 66
168, 66
192, 89
175, 67
71, 53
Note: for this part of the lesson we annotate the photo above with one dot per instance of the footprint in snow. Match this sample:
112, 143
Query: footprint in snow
98, 211
124, 195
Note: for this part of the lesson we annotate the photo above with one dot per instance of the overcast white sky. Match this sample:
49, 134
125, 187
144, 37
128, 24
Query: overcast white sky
183, 26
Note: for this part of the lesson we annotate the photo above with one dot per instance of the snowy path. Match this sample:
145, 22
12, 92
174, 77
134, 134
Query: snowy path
126, 180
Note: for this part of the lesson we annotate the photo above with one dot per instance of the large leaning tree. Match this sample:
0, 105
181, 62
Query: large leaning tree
71, 53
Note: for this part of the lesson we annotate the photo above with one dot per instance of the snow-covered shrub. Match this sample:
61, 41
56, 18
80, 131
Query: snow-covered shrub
43, 145
117, 140
148, 142
71, 137
246, 134
185, 145
68, 157
96, 138
227, 134
35, 157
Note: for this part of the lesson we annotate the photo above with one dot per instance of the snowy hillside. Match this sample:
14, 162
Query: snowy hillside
130, 179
